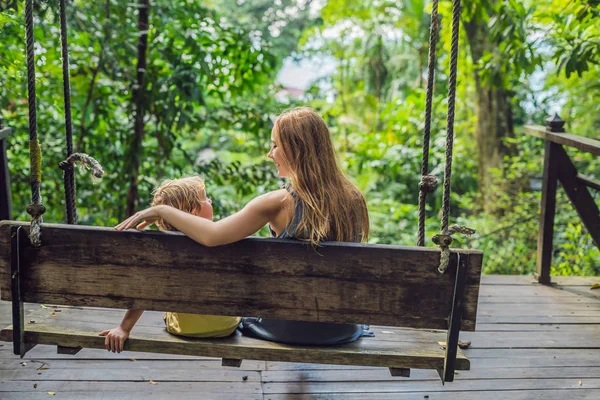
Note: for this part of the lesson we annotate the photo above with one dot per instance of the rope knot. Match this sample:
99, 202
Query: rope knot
65, 166
85, 160
445, 240
428, 183
35, 231
36, 210
442, 240
461, 229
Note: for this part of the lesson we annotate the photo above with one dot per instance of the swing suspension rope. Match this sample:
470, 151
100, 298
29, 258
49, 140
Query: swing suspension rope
37, 209
429, 182
68, 170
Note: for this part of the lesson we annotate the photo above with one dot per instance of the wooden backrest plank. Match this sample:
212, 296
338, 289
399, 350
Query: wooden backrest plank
281, 279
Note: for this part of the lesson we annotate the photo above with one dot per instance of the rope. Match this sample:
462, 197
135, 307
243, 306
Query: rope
36, 209
86, 161
445, 239
69, 173
428, 182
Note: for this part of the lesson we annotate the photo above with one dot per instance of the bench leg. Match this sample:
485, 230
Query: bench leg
231, 362
19, 345
67, 350
405, 372
455, 319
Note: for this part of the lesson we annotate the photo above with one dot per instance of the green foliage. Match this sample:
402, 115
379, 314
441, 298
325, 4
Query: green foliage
205, 87
209, 99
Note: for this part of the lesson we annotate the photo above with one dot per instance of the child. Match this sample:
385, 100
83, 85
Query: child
188, 195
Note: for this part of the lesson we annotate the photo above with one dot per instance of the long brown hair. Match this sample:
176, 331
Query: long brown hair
333, 207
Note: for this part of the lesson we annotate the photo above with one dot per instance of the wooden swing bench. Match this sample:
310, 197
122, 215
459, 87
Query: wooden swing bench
280, 279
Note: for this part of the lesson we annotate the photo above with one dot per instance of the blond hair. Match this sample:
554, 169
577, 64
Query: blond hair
333, 207
185, 194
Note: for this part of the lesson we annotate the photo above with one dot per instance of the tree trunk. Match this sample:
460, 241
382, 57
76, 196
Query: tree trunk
139, 104
494, 114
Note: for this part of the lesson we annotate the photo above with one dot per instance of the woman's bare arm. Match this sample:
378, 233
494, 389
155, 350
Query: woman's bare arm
256, 214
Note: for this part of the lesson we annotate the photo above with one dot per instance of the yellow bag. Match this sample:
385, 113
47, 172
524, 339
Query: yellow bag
196, 325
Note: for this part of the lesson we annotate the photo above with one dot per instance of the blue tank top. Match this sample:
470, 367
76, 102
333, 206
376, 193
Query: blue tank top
300, 332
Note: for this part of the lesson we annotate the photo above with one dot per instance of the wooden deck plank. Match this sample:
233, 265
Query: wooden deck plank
536, 327
525, 291
571, 394
129, 373
158, 364
534, 300
582, 290
529, 280
401, 386
105, 393
166, 388
375, 374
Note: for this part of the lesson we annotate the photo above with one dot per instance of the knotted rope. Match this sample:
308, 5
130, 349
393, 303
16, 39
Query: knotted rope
428, 182
36, 209
68, 173
444, 239
72, 158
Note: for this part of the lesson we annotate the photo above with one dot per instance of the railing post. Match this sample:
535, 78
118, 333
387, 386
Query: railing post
5, 193
548, 207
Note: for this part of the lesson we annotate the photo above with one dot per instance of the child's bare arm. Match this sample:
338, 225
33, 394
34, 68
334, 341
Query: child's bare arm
115, 338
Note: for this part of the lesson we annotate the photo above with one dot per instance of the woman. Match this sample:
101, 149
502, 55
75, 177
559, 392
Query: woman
319, 204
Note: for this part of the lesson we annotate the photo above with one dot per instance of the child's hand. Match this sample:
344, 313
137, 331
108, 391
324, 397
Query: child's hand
141, 219
115, 339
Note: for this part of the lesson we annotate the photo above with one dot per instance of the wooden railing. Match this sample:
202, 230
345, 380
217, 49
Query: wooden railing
558, 167
5, 194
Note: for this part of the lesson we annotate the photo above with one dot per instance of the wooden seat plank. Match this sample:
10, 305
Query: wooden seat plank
64, 329
281, 279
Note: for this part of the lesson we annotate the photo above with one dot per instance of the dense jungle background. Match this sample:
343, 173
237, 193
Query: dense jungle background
217, 73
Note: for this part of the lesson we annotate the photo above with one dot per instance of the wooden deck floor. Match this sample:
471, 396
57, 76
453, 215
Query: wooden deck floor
532, 342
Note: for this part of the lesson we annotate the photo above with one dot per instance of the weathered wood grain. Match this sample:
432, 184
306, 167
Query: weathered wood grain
281, 279
143, 391
400, 386
580, 196
166, 389
587, 181
60, 330
579, 142
197, 369
548, 210
378, 375
571, 394
129, 374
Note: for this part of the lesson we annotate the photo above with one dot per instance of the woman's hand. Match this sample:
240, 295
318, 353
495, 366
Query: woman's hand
115, 339
142, 219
